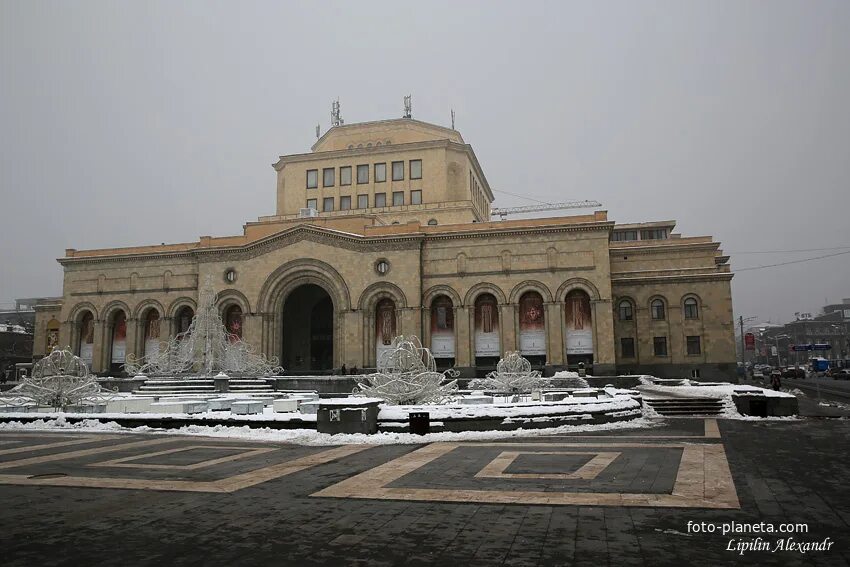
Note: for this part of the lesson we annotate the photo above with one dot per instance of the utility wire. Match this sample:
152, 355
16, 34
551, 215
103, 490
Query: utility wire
790, 251
791, 262
522, 196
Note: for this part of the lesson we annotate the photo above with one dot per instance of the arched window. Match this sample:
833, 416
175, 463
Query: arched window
532, 324
691, 308
183, 319
656, 308
442, 327
233, 322
86, 337
487, 340
52, 336
152, 330
432, 222
624, 310
119, 340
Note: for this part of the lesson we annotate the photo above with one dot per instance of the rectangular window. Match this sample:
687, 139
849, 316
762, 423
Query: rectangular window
398, 171
328, 177
416, 169
653, 234
624, 235
363, 174
380, 172
416, 197
362, 201
659, 346
328, 204
312, 178
345, 203
345, 175
380, 199
313, 204
627, 347
694, 346
398, 198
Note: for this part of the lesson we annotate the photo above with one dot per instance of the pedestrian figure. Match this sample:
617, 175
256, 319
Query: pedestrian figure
354, 369
343, 370
775, 381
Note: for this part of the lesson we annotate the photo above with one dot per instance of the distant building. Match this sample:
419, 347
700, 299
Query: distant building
17, 326
831, 327
385, 228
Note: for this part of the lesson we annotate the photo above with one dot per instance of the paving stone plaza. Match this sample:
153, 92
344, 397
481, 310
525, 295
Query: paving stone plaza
657, 496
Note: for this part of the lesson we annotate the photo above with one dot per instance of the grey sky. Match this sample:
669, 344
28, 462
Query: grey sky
136, 123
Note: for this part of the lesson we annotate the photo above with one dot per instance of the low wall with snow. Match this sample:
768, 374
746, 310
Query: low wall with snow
508, 417
319, 384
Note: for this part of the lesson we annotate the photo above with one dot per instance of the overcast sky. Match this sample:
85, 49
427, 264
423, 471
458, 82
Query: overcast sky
125, 123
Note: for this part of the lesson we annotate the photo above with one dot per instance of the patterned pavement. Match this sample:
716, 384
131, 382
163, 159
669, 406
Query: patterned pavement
621, 497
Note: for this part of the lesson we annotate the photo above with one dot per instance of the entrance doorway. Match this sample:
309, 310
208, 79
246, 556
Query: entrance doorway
308, 328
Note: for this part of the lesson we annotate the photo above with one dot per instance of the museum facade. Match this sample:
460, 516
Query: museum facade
385, 228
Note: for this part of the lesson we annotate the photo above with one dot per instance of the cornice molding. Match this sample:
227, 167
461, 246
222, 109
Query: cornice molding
319, 235
355, 152
652, 249
726, 276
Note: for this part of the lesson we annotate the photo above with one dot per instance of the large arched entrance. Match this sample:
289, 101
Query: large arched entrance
308, 331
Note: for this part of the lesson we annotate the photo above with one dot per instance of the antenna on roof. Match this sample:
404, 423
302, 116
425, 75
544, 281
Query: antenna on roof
453, 119
336, 119
318, 131
408, 106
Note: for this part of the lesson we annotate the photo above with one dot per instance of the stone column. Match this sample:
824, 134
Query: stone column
251, 329
554, 333
603, 337
509, 327
133, 338
426, 328
67, 337
100, 348
368, 319
464, 339
352, 336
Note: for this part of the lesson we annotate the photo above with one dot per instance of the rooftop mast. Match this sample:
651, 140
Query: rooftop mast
336, 118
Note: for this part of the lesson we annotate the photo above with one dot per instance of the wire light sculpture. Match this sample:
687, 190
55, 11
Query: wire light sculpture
59, 380
513, 374
206, 348
407, 374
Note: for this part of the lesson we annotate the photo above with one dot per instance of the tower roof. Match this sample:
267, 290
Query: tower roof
382, 132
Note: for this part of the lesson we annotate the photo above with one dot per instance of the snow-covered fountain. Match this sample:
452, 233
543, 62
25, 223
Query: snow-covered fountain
407, 374
512, 397
59, 381
513, 374
205, 349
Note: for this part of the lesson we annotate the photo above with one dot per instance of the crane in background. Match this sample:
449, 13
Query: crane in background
503, 212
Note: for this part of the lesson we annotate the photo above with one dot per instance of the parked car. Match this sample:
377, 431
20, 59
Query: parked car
840, 374
793, 372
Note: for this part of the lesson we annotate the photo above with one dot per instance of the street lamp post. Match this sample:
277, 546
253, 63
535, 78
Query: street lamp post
776, 341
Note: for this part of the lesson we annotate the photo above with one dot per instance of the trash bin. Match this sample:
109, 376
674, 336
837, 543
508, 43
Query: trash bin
758, 407
349, 415
420, 422
581, 370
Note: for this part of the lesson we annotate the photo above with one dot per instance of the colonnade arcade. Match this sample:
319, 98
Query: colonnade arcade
305, 317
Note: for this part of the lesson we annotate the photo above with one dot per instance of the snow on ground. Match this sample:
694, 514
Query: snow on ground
311, 437
565, 374
400, 413
267, 415
712, 389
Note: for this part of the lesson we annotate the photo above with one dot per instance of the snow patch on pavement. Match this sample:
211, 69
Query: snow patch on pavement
311, 437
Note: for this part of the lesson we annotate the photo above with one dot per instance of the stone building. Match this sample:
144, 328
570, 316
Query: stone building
384, 228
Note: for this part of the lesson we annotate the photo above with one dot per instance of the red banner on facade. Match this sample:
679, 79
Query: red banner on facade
750, 341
